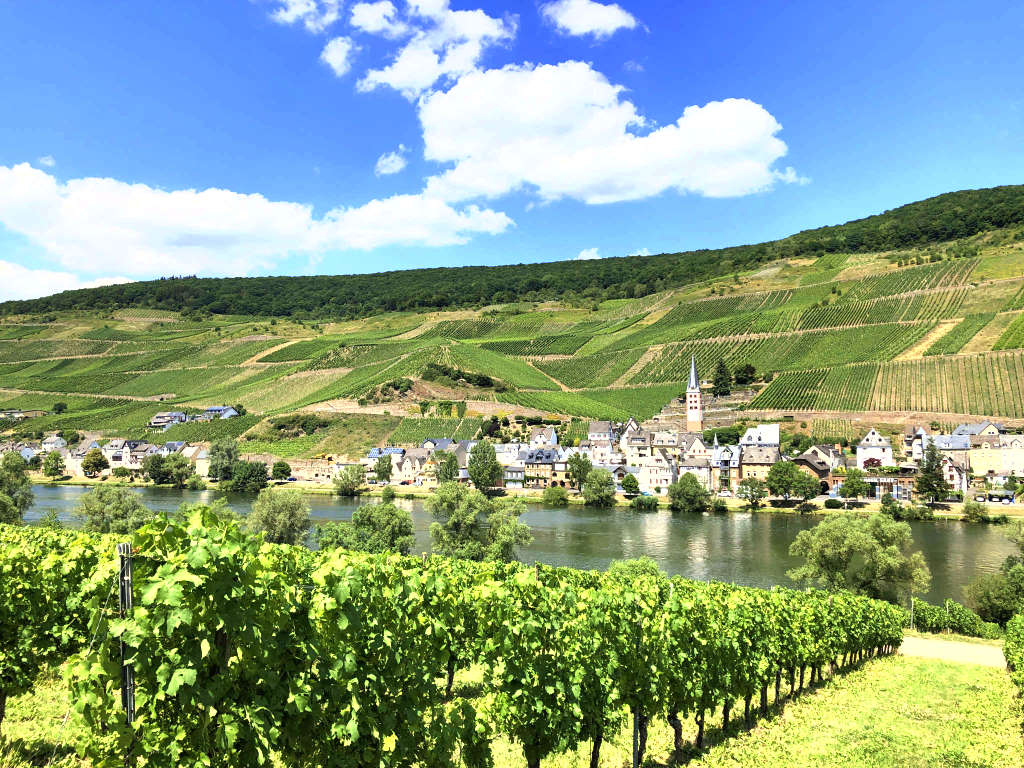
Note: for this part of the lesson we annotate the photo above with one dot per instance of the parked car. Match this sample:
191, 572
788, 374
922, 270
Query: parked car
725, 494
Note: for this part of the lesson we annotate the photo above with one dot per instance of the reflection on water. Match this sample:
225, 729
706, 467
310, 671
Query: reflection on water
742, 548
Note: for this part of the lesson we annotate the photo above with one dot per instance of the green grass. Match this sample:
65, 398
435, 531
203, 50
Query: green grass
894, 712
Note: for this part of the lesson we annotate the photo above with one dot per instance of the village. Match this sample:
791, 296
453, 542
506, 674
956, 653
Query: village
978, 460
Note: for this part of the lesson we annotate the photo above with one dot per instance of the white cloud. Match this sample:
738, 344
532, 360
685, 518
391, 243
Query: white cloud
445, 44
391, 162
588, 254
633, 66
338, 53
378, 18
641, 252
314, 15
20, 282
47, 161
99, 226
586, 17
564, 131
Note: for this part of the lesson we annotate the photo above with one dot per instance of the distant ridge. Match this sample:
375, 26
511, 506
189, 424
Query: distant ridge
937, 219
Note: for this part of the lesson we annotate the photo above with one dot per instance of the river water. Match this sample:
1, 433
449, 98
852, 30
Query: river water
744, 548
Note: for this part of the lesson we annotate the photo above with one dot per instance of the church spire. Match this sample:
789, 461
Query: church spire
694, 381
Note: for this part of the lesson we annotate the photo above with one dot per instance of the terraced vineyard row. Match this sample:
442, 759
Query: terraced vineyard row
940, 275
414, 430
597, 370
789, 352
956, 337
565, 402
927, 306
839, 389
1013, 336
565, 344
11, 351
970, 384
518, 373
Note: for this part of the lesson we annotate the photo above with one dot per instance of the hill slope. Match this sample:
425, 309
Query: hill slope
930, 332
935, 220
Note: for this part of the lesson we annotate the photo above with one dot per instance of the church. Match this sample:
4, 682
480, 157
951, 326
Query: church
694, 404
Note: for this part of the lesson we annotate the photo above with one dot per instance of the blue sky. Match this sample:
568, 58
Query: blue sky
255, 136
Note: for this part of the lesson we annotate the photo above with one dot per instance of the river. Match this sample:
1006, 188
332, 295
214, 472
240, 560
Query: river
744, 548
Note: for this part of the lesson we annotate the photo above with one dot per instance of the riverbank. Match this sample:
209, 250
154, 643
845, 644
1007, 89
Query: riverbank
891, 713
733, 504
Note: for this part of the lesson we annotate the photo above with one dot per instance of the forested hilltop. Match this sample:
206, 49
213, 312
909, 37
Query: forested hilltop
938, 219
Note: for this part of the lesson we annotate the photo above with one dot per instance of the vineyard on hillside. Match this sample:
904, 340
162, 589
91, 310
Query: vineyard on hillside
338, 658
971, 384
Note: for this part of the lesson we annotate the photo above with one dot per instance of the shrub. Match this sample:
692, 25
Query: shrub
833, 504
645, 504
556, 496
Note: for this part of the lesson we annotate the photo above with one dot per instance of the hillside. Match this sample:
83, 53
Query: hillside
930, 332
935, 220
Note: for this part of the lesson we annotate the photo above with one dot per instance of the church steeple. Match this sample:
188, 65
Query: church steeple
694, 406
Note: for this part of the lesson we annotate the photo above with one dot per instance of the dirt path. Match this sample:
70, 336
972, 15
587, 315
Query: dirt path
953, 650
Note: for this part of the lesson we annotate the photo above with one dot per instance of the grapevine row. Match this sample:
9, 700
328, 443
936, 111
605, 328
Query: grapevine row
252, 654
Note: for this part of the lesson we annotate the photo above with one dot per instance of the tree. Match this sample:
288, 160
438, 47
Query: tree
854, 485
457, 530
223, 455
870, 556
15, 489
60, 407
448, 469
484, 469
248, 477
53, 465
805, 486
688, 495
349, 481
752, 490
281, 470
556, 496
174, 469
599, 488
630, 485
112, 509
281, 515
382, 468
931, 484
374, 528
505, 532
578, 467
782, 477
745, 374
998, 596
722, 384
94, 462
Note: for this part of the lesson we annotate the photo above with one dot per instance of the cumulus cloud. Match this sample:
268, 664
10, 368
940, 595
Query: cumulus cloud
97, 226
47, 161
379, 18
641, 252
588, 254
444, 44
337, 54
565, 131
391, 162
20, 282
314, 15
586, 17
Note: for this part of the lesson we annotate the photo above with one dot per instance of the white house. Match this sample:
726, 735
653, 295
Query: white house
543, 437
763, 435
874, 446
600, 430
53, 443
